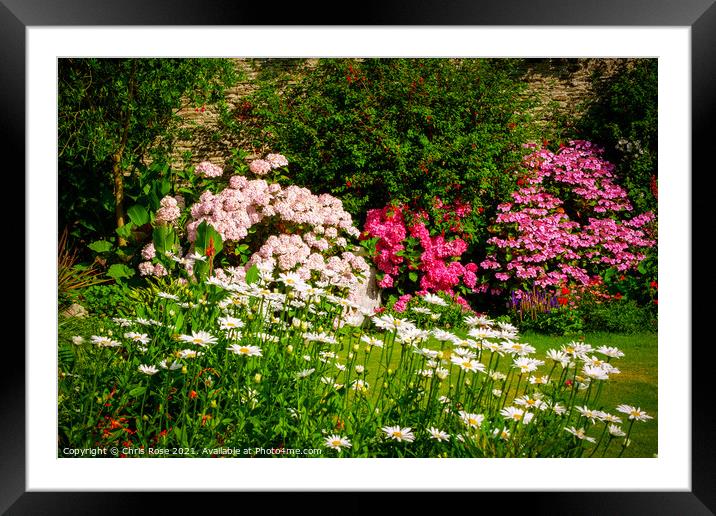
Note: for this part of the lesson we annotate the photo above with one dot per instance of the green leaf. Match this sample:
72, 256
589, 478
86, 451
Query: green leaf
207, 238
119, 271
165, 239
413, 276
137, 391
642, 268
100, 246
126, 230
138, 214
252, 275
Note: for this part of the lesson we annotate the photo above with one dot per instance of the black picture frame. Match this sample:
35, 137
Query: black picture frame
700, 15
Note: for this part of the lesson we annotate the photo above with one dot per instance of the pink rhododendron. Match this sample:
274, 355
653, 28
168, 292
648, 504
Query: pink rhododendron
539, 243
439, 266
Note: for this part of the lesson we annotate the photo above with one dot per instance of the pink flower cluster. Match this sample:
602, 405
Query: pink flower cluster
150, 269
539, 242
170, 209
439, 260
261, 167
312, 230
208, 169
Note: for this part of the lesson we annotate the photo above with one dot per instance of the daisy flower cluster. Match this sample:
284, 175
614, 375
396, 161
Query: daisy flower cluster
281, 359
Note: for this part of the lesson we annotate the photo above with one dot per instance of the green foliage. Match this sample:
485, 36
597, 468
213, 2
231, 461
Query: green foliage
562, 320
119, 272
72, 275
123, 111
622, 316
379, 130
623, 117
105, 300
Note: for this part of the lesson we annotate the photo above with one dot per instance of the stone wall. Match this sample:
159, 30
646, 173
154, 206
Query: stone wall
560, 87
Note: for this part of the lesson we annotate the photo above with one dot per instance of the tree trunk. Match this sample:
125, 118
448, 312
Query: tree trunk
117, 172
118, 177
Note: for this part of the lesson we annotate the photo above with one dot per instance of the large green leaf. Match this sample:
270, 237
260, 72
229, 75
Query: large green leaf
126, 230
138, 214
100, 246
207, 238
119, 271
252, 275
165, 239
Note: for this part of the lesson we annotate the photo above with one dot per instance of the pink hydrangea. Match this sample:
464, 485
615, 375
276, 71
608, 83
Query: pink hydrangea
277, 160
260, 167
169, 210
208, 169
148, 251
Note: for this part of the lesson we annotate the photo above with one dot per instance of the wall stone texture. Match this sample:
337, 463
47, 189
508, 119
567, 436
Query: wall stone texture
560, 86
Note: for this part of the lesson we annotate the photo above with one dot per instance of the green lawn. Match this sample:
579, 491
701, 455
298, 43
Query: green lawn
636, 385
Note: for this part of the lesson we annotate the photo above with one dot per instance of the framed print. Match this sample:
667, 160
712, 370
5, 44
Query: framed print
45, 471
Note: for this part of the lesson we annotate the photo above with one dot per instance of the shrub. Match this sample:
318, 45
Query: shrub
377, 131
252, 224
411, 259
106, 300
623, 117
565, 222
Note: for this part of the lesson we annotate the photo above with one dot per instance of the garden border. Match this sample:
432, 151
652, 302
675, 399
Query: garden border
700, 15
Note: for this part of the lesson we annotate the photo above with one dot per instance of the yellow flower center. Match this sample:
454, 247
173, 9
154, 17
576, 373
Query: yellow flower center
244, 350
397, 434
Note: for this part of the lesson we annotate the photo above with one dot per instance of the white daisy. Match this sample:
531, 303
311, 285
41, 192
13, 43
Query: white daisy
434, 299
200, 338
142, 338
610, 351
245, 350
104, 342
399, 434
148, 369
337, 442
230, 323
580, 434
634, 412
438, 435
472, 420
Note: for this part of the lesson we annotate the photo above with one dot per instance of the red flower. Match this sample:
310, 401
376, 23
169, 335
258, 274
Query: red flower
568, 383
656, 301
192, 394
562, 301
653, 284
618, 295
622, 278
349, 184
480, 209
565, 290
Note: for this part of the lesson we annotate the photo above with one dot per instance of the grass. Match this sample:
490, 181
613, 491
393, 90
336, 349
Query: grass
636, 385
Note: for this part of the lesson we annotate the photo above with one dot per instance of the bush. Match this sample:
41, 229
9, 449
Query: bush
621, 316
375, 131
105, 300
411, 257
623, 117
566, 222
253, 227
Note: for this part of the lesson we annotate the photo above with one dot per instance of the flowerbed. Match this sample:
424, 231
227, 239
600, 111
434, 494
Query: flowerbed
274, 364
